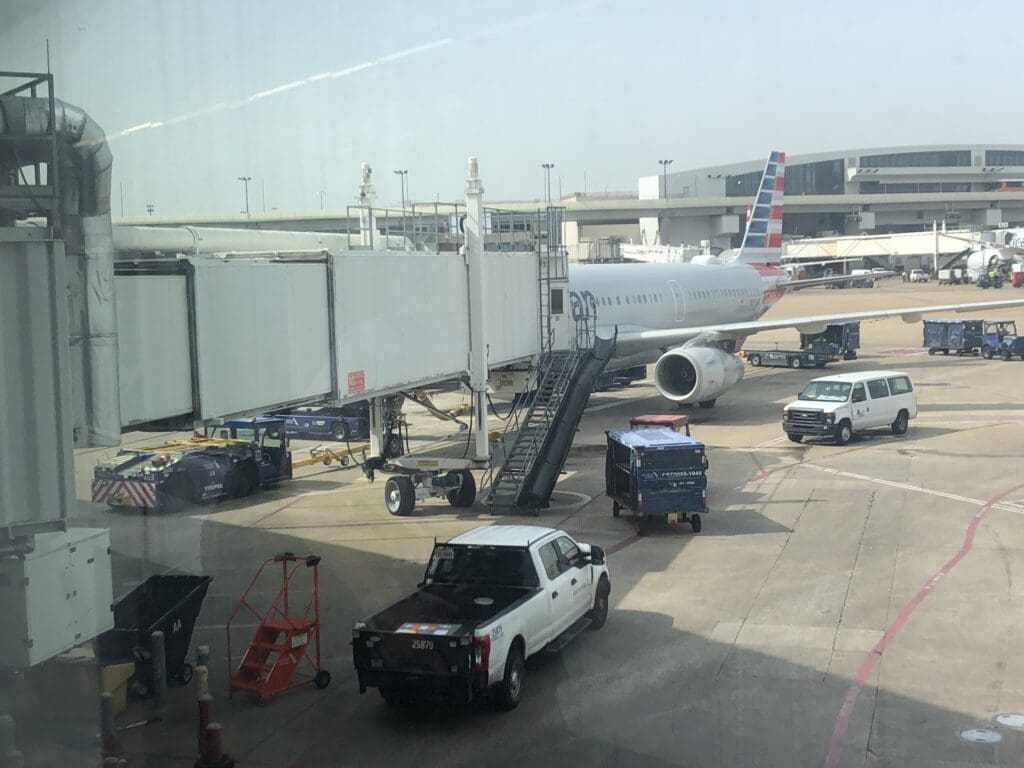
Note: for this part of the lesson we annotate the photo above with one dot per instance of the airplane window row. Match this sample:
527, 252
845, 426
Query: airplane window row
658, 297
634, 298
721, 293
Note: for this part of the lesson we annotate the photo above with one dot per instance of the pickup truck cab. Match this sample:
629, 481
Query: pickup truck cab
491, 598
837, 407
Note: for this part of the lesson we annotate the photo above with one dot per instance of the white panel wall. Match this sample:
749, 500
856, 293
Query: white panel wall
153, 347
36, 463
400, 318
511, 303
263, 335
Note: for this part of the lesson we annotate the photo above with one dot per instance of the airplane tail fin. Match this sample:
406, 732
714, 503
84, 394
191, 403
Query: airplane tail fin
762, 241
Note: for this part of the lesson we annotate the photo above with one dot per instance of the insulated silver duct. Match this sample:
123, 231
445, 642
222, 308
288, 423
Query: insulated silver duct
193, 241
86, 163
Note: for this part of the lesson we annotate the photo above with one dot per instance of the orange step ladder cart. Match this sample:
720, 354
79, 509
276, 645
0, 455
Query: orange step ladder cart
285, 651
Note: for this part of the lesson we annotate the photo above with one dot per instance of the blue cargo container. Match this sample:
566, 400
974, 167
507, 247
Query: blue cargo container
657, 473
963, 337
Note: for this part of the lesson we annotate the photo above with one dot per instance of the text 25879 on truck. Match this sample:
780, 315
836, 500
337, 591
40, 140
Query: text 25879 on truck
491, 598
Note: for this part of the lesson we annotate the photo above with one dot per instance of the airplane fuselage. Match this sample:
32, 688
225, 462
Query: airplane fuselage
660, 296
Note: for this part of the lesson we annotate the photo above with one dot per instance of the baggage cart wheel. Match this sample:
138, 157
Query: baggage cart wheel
616, 509
399, 495
932, 350
322, 679
987, 352
695, 522
185, 675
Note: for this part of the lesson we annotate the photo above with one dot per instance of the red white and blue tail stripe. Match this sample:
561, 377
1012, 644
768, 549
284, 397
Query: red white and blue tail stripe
762, 242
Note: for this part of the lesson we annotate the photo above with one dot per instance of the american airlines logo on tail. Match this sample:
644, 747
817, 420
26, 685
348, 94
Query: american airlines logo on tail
762, 242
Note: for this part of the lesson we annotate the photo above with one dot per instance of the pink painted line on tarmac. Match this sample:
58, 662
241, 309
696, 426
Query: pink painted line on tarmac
835, 745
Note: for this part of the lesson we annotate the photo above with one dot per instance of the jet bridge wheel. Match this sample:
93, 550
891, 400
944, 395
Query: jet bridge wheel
399, 495
465, 494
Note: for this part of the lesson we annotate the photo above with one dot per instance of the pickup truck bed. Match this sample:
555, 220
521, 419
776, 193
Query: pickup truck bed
467, 605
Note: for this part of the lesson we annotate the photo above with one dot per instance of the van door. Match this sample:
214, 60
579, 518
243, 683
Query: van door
860, 408
883, 411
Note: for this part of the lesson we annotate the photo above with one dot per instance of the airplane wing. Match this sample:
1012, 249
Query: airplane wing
638, 340
813, 282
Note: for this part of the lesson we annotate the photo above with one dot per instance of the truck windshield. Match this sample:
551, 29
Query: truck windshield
826, 391
669, 459
497, 566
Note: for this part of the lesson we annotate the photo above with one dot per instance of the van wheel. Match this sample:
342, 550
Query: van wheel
510, 689
844, 432
795, 437
899, 427
796, 362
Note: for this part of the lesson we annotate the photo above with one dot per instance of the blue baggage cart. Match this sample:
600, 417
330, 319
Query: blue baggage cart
657, 474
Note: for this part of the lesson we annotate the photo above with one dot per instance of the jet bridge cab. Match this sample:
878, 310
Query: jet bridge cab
837, 407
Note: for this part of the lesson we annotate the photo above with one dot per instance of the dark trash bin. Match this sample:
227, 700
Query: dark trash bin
167, 603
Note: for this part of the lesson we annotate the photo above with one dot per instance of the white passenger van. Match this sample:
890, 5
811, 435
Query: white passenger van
838, 406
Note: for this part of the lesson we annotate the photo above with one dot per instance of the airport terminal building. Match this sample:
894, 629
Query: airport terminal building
873, 191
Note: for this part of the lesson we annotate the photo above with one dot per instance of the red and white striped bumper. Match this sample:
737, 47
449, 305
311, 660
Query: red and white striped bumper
124, 493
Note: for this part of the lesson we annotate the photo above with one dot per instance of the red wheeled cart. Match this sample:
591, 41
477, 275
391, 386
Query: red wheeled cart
285, 651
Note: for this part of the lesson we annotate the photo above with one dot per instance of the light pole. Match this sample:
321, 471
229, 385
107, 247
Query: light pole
245, 181
664, 176
402, 176
321, 199
547, 180
150, 208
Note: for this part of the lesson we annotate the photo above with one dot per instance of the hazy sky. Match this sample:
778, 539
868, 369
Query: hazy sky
602, 87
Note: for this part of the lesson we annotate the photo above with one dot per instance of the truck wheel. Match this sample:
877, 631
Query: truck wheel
599, 613
795, 437
708, 403
179, 493
616, 508
932, 350
465, 495
695, 522
399, 495
755, 360
1005, 354
987, 352
945, 351
339, 430
899, 427
510, 689
796, 362
844, 432
851, 354
245, 479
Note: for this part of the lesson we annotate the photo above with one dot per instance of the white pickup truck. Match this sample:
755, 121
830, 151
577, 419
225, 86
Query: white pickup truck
491, 598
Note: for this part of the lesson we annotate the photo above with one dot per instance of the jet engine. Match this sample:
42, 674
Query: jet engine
696, 374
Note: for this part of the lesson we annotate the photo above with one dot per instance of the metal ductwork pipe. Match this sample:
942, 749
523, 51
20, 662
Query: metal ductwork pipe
211, 240
86, 163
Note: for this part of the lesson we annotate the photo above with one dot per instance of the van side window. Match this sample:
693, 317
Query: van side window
900, 385
878, 388
858, 394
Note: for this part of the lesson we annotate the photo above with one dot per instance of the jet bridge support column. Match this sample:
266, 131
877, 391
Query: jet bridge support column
477, 312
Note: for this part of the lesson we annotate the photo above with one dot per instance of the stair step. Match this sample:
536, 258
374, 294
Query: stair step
569, 635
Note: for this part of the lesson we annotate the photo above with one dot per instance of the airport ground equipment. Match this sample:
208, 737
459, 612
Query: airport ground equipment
490, 599
787, 358
231, 460
1017, 275
656, 474
952, 276
993, 334
677, 423
284, 652
839, 339
342, 423
962, 337
168, 603
622, 377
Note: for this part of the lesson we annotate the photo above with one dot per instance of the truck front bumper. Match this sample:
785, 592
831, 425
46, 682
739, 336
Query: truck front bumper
809, 429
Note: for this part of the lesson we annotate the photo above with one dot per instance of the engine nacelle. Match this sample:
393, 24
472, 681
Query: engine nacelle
696, 374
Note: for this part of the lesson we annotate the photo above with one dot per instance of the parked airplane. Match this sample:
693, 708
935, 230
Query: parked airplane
690, 319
